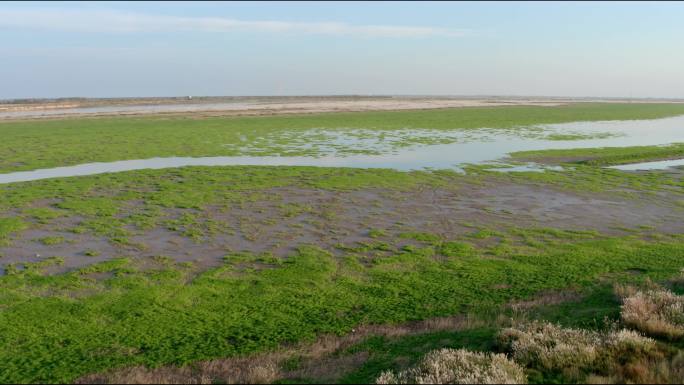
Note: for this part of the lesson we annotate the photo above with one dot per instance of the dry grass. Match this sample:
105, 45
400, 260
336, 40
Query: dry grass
449, 366
328, 369
546, 299
315, 359
654, 370
655, 311
229, 371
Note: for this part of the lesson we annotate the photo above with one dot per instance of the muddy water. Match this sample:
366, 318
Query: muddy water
490, 146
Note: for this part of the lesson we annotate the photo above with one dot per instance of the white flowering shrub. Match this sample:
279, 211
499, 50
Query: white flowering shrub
625, 340
549, 346
450, 366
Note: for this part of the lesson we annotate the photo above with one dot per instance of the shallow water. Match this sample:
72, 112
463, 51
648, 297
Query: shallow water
659, 165
471, 147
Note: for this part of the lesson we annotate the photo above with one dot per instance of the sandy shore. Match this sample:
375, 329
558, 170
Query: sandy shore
219, 106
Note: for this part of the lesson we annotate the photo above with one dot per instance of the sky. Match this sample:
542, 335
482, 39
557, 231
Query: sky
133, 49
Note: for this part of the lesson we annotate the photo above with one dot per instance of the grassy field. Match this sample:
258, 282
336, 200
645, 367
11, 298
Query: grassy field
33, 144
136, 309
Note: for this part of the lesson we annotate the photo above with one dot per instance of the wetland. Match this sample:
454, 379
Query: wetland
149, 248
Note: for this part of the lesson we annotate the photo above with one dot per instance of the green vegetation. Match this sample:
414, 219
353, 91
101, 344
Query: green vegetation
605, 156
42, 214
9, 226
36, 144
376, 233
579, 136
158, 316
589, 178
48, 241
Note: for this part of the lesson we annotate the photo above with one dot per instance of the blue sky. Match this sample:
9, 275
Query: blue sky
112, 49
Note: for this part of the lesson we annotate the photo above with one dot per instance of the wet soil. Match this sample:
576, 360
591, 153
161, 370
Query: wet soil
282, 219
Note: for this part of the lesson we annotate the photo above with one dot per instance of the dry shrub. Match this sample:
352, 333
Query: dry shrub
573, 352
655, 311
622, 291
450, 366
656, 369
597, 357
549, 346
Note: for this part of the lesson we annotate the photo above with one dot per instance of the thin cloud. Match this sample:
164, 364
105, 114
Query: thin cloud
126, 22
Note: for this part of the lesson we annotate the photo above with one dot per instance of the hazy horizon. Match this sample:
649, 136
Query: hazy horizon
195, 97
127, 49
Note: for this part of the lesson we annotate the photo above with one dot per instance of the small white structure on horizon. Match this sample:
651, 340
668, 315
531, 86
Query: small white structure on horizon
189, 97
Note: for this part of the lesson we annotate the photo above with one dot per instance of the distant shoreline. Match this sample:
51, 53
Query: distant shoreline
272, 105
